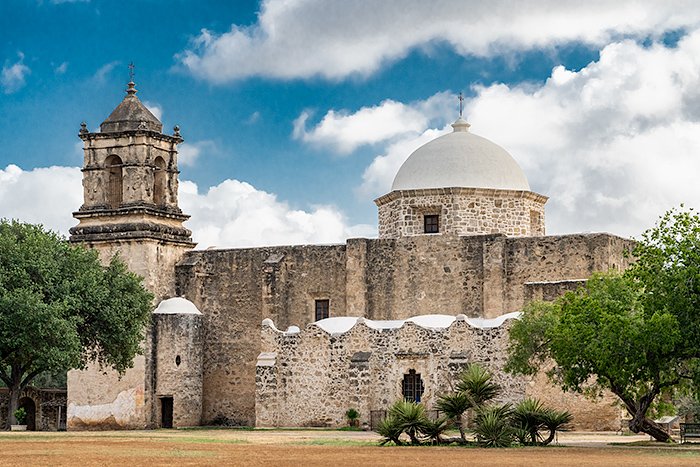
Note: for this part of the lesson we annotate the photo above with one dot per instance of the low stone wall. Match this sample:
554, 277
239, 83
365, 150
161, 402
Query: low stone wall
49, 406
312, 377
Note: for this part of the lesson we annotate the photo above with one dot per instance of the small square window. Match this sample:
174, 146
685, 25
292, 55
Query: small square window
432, 223
321, 309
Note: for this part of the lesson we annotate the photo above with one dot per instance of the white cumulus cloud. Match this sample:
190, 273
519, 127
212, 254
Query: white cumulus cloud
304, 38
13, 75
613, 145
370, 125
47, 195
235, 214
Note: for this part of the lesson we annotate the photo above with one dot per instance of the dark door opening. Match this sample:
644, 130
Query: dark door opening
30, 408
166, 412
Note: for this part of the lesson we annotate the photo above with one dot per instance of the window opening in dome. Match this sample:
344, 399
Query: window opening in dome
431, 223
321, 309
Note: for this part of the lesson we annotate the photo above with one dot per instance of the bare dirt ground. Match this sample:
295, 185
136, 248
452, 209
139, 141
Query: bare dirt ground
310, 448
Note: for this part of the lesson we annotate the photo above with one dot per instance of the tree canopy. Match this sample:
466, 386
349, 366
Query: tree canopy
60, 308
633, 333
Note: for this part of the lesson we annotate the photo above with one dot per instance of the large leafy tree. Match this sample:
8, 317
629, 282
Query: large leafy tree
60, 308
635, 334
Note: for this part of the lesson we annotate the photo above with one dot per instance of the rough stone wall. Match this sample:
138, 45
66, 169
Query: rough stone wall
235, 290
50, 407
178, 367
462, 211
312, 378
130, 400
380, 279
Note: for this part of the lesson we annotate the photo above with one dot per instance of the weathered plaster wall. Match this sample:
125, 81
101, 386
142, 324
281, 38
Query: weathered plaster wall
98, 401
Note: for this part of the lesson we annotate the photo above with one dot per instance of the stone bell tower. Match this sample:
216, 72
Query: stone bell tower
130, 182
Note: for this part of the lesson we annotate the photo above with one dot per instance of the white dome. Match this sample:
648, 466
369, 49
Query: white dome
460, 159
177, 305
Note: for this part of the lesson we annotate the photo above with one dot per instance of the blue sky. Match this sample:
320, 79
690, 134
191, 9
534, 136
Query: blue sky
297, 113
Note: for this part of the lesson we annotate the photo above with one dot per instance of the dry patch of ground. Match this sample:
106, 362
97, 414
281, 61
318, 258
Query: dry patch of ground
310, 449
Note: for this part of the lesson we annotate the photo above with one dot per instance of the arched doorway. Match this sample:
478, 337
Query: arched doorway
30, 408
159, 181
113, 165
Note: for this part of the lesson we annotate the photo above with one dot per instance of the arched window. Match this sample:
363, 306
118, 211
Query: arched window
114, 181
412, 387
159, 181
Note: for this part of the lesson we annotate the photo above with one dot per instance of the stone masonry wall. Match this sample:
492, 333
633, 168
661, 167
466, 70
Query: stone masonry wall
462, 211
312, 377
235, 290
178, 367
477, 275
49, 408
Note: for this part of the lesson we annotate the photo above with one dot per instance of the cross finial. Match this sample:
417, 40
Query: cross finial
461, 99
131, 71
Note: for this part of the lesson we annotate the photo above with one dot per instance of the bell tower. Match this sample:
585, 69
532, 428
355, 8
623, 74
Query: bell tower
130, 184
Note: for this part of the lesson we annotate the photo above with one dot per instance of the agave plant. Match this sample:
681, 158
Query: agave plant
391, 430
492, 426
454, 406
475, 383
411, 418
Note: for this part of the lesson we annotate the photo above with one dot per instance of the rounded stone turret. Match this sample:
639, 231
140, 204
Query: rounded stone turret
177, 335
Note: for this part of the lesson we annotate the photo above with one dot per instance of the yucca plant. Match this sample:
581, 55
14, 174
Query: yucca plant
391, 430
454, 406
475, 383
434, 430
555, 421
528, 415
492, 428
411, 418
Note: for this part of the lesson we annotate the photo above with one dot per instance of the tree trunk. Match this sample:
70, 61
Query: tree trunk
649, 427
638, 411
15, 390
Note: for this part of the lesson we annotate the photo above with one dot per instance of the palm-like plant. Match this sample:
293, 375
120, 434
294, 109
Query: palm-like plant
556, 421
391, 430
475, 383
411, 418
528, 415
454, 406
433, 430
492, 426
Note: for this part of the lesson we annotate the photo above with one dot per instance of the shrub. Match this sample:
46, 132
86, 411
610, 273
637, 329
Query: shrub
20, 415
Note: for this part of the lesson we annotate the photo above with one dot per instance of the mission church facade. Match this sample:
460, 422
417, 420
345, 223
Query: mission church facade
461, 248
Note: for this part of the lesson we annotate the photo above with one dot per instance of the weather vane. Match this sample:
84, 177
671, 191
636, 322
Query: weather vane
131, 72
460, 104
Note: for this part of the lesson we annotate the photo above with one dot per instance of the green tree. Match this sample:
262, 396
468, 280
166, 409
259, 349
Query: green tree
604, 337
60, 308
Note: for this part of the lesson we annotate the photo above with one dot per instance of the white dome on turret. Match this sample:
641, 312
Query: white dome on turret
460, 159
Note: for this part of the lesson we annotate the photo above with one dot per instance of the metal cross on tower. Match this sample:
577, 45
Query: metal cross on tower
461, 99
131, 72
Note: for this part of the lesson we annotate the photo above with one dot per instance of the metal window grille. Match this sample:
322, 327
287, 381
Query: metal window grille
321, 309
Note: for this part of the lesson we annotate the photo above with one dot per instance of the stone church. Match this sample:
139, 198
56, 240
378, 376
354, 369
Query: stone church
296, 335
